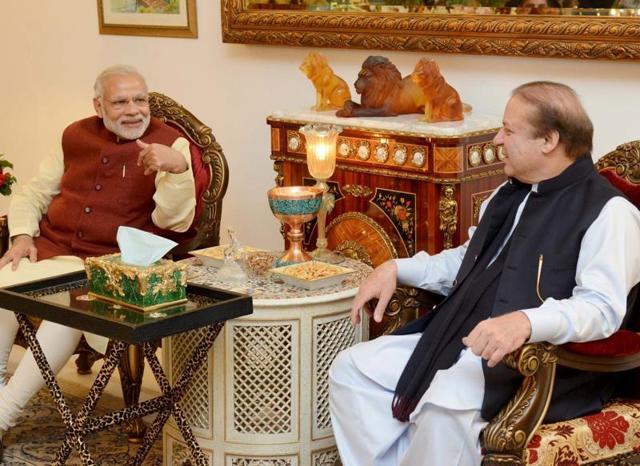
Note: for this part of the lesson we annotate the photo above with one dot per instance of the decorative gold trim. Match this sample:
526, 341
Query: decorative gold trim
448, 210
357, 190
354, 250
481, 147
510, 431
188, 31
625, 159
394, 173
135, 306
470, 160
476, 201
278, 167
539, 36
301, 149
369, 221
403, 308
344, 141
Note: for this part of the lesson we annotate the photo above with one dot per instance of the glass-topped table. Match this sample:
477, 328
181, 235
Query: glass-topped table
64, 300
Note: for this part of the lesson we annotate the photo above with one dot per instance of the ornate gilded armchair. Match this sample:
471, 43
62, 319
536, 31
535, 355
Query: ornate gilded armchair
517, 435
211, 176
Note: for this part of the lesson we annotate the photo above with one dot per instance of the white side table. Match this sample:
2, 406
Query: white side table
262, 398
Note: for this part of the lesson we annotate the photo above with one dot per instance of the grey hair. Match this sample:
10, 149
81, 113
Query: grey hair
115, 70
558, 108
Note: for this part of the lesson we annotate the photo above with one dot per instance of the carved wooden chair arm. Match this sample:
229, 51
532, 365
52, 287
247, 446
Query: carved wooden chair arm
506, 436
405, 306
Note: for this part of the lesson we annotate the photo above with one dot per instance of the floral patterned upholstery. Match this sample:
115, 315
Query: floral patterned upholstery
599, 437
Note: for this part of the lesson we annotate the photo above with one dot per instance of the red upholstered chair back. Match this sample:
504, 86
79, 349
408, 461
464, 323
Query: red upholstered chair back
622, 168
209, 168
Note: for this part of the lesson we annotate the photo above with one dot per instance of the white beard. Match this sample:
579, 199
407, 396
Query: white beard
120, 130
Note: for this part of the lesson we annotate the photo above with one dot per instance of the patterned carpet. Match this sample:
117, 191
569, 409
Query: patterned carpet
36, 439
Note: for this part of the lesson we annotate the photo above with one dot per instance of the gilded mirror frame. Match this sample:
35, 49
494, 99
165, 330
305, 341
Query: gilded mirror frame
590, 37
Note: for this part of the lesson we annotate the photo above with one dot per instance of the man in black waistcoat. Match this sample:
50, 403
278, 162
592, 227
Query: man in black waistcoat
553, 259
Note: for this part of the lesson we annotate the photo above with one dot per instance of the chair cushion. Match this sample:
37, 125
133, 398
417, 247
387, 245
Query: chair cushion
631, 190
598, 437
201, 175
621, 343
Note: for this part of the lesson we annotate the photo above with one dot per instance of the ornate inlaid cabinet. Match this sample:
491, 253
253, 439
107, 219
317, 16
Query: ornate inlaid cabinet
400, 185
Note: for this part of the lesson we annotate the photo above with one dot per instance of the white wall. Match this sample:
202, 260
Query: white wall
51, 52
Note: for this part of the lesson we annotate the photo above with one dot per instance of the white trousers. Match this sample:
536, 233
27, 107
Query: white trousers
362, 382
58, 342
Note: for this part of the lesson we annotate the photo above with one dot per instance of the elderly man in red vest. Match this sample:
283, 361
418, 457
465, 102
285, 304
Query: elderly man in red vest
121, 167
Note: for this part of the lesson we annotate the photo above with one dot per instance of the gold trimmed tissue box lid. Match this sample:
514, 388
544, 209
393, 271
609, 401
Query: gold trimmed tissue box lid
142, 287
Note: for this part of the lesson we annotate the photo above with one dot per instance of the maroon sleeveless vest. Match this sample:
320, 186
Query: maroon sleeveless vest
101, 188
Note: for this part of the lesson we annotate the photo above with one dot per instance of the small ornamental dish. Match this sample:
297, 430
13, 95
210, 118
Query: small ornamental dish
311, 274
214, 256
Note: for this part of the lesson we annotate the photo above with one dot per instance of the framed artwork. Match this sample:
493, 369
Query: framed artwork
166, 18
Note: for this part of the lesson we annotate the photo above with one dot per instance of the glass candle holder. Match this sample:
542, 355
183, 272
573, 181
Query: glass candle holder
321, 162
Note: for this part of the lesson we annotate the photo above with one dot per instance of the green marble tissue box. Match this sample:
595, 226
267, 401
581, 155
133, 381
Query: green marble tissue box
141, 287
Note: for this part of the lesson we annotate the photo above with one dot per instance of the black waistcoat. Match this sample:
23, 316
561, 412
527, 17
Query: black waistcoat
552, 225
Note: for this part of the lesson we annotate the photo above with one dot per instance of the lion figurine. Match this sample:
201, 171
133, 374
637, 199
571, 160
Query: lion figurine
442, 102
331, 90
383, 91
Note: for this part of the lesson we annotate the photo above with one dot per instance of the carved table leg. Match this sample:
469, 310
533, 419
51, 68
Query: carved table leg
131, 369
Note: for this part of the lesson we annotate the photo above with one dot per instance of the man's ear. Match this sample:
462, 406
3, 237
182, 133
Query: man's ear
551, 142
97, 105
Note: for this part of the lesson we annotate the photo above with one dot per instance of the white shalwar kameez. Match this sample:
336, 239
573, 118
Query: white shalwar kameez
444, 428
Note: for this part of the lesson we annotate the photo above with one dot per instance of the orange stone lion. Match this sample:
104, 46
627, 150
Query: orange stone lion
331, 90
442, 102
383, 91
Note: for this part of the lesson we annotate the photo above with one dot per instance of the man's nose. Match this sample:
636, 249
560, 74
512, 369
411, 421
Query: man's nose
132, 108
498, 139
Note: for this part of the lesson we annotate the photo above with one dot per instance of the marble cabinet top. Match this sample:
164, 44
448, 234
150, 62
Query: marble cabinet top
473, 123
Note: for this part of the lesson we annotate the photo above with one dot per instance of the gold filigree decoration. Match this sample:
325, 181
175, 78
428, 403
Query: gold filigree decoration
402, 308
625, 159
357, 190
278, 167
477, 200
354, 250
510, 431
406, 175
543, 36
115, 270
448, 209
369, 221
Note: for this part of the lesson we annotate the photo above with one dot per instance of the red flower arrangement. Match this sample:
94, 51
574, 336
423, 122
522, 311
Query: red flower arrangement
6, 179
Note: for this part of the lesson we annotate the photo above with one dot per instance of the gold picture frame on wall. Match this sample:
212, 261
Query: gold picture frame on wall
577, 34
162, 18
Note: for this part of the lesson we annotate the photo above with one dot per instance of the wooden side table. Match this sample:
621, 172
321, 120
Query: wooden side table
400, 185
262, 397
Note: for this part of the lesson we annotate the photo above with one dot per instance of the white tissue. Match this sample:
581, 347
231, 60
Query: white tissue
139, 247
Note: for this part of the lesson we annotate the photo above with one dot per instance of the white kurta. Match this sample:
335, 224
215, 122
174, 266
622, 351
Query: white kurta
444, 427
